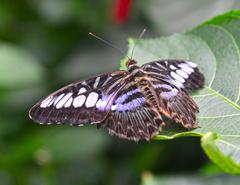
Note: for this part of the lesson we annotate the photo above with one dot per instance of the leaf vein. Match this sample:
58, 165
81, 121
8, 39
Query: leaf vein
224, 98
215, 117
236, 47
230, 144
202, 95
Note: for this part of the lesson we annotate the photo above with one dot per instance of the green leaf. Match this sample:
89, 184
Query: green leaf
215, 47
220, 150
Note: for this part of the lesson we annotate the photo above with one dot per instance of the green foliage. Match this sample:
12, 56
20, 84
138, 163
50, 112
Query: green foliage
215, 47
35, 38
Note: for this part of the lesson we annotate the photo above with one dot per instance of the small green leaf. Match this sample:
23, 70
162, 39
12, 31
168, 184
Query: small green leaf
215, 47
223, 151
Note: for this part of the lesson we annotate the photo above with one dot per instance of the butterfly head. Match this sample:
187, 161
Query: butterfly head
131, 62
131, 65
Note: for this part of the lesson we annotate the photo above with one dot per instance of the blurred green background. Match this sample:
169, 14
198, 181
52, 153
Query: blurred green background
45, 45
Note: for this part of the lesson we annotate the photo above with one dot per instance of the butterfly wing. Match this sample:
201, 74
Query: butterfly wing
79, 103
180, 73
131, 116
179, 106
172, 79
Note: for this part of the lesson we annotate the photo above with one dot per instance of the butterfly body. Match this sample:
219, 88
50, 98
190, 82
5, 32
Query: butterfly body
129, 104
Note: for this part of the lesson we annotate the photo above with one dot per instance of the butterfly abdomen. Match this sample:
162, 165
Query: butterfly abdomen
148, 92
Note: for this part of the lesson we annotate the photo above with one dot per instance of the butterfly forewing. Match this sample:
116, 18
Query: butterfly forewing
182, 74
83, 102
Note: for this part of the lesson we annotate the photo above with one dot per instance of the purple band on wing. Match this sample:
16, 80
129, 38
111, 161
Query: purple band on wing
165, 86
122, 98
130, 105
169, 94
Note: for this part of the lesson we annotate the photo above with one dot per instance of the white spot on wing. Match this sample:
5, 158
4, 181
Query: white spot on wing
45, 102
101, 104
172, 67
79, 101
52, 101
58, 98
91, 99
84, 83
182, 73
82, 90
161, 66
177, 77
186, 68
106, 81
96, 82
63, 100
192, 64
177, 83
68, 103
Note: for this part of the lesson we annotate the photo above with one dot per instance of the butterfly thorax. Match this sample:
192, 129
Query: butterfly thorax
132, 66
141, 80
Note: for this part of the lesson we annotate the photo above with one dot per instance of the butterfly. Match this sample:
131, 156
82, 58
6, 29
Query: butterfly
128, 103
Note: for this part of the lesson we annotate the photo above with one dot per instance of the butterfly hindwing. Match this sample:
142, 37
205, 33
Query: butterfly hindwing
172, 79
131, 117
79, 103
176, 104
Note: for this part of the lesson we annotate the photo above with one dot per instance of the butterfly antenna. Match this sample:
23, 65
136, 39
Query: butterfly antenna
139, 37
108, 43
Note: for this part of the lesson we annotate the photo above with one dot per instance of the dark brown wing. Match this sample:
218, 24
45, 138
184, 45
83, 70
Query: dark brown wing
176, 104
172, 79
79, 103
131, 117
180, 73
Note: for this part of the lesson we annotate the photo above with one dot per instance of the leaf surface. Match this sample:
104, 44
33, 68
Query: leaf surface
215, 47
